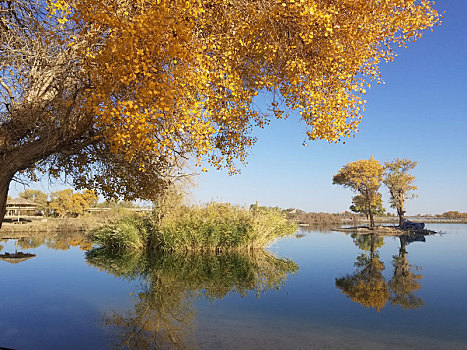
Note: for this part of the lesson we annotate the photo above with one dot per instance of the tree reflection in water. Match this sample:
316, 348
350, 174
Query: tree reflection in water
405, 281
367, 285
57, 241
171, 282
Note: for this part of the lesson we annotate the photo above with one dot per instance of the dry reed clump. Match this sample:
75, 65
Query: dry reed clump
216, 226
129, 233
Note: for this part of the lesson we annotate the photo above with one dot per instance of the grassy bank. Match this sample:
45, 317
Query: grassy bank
216, 226
36, 225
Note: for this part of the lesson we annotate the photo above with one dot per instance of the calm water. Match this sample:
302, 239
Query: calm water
324, 290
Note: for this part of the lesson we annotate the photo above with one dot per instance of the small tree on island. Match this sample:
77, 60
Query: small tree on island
399, 183
358, 205
364, 177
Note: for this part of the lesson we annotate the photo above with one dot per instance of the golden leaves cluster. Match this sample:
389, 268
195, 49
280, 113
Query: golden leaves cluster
180, 76
363, 176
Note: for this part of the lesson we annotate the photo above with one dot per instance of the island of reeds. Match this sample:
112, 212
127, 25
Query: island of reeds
212, 227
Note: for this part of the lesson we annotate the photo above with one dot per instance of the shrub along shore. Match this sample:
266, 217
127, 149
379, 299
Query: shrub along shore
216, 226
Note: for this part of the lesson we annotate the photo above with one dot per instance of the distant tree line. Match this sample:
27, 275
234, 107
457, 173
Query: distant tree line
64, 203
302, 217
452, 214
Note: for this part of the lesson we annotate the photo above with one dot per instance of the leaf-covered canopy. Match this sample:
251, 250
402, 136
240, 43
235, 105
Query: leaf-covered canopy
172, 76
117, 93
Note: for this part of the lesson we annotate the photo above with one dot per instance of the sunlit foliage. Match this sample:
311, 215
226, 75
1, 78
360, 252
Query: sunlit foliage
116, 93
36, 196
215, 226
359, 205
453, 214
66, 203
364, 177
169, 75
399, 183
222, 225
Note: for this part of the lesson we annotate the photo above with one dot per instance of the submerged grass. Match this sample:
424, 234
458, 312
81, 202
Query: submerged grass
216, 226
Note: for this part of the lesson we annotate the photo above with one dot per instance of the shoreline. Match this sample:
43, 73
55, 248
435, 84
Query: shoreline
384, 231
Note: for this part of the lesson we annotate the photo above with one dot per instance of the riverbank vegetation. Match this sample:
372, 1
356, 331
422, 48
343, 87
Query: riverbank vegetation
215, 226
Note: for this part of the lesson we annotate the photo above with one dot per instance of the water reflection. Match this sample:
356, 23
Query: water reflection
60, 241
367, 285
163, 312
405, 280
16, 257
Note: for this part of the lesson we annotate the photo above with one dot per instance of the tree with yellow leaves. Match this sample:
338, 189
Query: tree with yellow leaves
66, 203
36, 196
359, 205
115, 93
399, 183
364, 177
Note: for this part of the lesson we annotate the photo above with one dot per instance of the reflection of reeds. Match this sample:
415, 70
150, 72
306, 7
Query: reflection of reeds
163, 309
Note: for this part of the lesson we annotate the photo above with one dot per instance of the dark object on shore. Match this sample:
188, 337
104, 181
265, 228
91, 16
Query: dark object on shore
15, 258
410, 225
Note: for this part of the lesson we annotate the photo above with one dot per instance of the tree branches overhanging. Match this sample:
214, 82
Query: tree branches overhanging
117, 93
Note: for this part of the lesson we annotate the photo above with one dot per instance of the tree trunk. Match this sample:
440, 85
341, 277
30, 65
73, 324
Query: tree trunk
5, 179
401, 212
372, 220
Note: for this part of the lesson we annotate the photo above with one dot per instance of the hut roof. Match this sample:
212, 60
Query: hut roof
20, 202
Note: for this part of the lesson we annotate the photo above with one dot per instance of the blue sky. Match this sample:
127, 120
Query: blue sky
418, 114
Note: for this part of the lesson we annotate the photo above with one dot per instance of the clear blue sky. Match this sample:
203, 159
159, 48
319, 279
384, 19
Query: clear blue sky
420, 113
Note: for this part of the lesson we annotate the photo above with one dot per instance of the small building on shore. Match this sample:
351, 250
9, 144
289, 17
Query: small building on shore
20, 206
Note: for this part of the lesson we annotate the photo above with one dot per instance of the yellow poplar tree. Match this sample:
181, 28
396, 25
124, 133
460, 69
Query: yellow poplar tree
116, 92
66, 203
399, 183
363, 177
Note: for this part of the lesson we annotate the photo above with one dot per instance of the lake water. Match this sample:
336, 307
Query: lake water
324, 290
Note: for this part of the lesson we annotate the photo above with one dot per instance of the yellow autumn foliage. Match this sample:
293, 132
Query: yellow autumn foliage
66, 203
364, 177
168, 77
